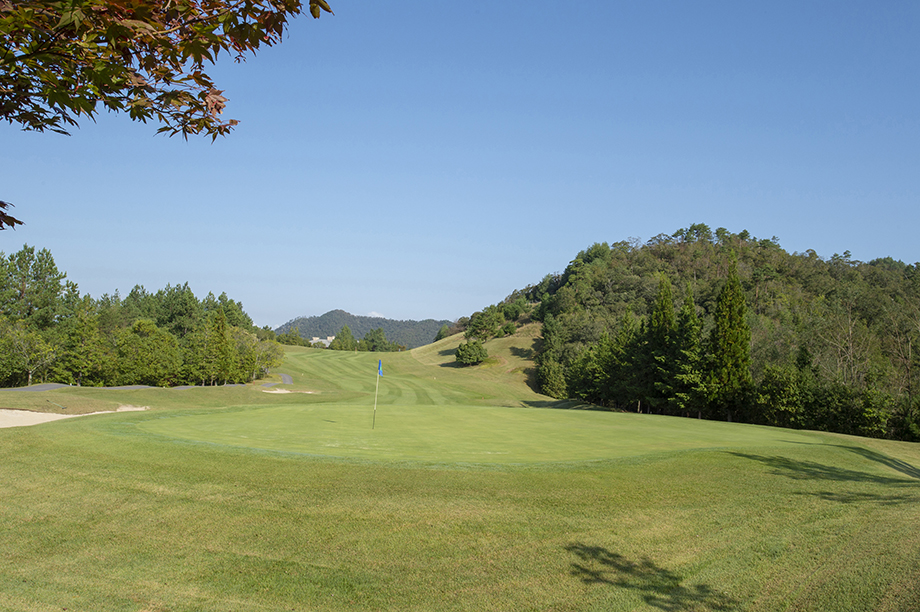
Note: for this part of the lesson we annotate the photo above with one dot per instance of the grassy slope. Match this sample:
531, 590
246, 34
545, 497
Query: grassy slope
173, 509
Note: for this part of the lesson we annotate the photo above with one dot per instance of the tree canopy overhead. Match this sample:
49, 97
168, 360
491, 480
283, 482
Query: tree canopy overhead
6, 219
61, 59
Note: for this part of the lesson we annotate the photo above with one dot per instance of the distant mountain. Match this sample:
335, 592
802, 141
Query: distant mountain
409, 333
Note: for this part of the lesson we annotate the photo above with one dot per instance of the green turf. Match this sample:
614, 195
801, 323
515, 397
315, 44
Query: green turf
459, 434
471, 493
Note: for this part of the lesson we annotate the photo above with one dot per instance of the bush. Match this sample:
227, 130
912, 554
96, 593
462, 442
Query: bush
471, 353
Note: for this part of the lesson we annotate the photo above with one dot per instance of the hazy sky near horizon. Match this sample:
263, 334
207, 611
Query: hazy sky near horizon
424, 159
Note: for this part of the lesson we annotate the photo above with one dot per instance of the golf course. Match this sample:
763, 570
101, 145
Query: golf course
438, 487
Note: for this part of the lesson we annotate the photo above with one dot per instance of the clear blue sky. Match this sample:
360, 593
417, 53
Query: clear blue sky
424, 159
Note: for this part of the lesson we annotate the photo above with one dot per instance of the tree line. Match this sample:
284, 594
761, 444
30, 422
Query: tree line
50, 333
374, 340
727, 326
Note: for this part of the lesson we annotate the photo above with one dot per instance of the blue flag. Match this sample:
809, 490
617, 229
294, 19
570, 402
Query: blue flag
379, 367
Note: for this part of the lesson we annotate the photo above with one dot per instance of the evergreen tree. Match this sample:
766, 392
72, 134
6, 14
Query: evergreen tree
552, 379
344, 341
471, 353
660, 358
624, 388
485, 325
179, 310
729, 379
588, 375
31, 287
550, 372
689, 392
376, 341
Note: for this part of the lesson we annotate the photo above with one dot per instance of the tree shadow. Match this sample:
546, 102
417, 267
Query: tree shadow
659, 587
523, 353
812, 470
847, 497
530, 374
531, 380
895, 464
561, 404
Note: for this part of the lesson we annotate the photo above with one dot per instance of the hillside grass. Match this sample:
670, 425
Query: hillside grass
472, 492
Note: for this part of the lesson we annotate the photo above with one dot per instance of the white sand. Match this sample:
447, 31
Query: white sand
21, 418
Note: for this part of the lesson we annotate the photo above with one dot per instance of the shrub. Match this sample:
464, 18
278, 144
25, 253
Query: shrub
471, 353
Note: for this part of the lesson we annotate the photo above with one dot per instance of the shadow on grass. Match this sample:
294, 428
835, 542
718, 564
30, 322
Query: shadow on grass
562, 404
812, 470
659, 587
895, 464
847, 497
523, 353
530, 373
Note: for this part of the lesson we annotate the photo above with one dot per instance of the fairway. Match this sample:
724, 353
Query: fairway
470, 493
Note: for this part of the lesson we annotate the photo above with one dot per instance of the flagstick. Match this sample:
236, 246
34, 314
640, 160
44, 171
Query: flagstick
374, 423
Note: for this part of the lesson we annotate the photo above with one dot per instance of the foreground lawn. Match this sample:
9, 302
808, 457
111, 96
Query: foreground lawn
470, 493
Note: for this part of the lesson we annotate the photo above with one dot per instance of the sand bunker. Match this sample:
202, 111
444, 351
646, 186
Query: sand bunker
283, 391
21, 418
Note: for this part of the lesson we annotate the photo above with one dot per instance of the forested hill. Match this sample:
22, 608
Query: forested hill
411, 334
726, 326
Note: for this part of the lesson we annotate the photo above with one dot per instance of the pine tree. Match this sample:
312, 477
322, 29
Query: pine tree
623, 380
659, 347
729, 377
344, 340
689, 392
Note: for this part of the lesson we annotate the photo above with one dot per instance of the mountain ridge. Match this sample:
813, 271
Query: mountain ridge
409, 333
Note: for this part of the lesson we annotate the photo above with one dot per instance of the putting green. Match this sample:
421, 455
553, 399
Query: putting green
459, 434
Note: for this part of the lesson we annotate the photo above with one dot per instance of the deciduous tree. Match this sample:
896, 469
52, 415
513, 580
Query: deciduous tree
60, 61
147, 355
6, 219
28, 350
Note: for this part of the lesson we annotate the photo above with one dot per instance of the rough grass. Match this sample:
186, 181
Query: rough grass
172, 509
